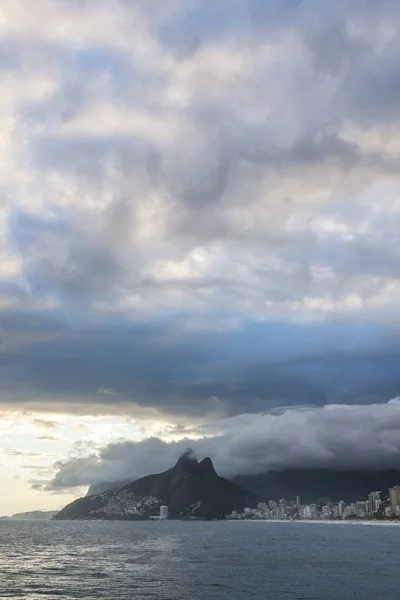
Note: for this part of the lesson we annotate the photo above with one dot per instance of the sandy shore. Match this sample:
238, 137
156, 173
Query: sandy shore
323, 522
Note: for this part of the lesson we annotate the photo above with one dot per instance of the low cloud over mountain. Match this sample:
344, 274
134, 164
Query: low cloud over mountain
335, 436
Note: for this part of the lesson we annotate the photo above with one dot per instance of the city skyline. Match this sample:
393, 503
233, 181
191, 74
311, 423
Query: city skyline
374, 507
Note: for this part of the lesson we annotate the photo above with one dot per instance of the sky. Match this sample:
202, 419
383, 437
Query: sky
199, 238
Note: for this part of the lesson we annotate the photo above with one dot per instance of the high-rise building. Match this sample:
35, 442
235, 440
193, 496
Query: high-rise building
282, 509
349, 511
360, 509
374, 500
326, 512
394, 497
341, 507
164, 512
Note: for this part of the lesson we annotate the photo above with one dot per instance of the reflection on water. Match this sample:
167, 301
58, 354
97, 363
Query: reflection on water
192, 560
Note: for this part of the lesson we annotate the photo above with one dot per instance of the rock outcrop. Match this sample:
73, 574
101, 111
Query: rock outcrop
189, 489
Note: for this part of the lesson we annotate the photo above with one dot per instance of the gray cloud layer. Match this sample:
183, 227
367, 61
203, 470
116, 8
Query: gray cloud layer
335, 436
199, 204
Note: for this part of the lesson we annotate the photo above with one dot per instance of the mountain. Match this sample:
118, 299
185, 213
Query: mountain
35, 515
312, 484
189, 489
309, 484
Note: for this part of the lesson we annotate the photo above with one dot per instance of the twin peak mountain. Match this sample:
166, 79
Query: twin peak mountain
190, 489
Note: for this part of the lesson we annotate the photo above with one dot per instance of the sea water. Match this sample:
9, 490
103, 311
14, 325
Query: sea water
177, 560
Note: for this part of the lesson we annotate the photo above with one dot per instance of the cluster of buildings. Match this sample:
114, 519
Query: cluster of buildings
121, 504
374, 507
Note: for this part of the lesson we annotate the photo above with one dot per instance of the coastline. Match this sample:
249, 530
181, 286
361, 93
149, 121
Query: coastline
322, 521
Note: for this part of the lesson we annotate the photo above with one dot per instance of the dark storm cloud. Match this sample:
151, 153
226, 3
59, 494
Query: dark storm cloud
200, 374
206, 220
336, 436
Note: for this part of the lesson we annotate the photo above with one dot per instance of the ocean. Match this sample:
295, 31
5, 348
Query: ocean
177, 560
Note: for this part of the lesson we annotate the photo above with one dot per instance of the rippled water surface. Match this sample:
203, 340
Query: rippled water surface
194, 560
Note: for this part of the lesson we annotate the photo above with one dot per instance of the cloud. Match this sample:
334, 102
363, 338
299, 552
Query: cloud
37, 485
46, 424
333, 436
199, 205
16, 452
37, 468
203, 374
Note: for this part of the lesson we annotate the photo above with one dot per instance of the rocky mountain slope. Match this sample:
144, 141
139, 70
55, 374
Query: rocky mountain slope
189, 489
